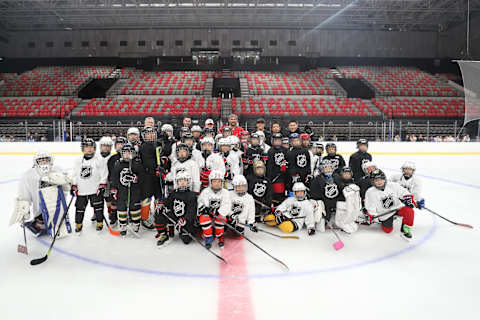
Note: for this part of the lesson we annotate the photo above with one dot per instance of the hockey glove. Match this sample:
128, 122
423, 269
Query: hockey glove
279, 217
74, 190
253, 228
311, 232
114, 193
283, 166
421, 204
408, 201
101, 189
181, 222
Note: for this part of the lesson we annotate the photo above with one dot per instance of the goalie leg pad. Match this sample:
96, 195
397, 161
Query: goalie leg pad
270, 220
288, 226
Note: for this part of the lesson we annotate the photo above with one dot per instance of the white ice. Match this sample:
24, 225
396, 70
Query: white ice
375, 276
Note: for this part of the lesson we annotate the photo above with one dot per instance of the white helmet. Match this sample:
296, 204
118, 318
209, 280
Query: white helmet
196, 128
207, 140
223, 142
261, 136
133, 130
215, 175
409, 165
299, 186
239, 180
41, 156
167, 127
218, 137
183, 175
234, 140
105, 141
368, 164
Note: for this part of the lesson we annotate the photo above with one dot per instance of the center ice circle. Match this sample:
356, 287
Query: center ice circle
359, 264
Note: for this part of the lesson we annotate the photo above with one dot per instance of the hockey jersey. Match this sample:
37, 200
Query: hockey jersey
293, 208
382, 201
243, 208
217, 202
87, 175
413, 185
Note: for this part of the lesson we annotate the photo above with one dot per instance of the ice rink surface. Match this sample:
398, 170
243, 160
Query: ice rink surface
375, 276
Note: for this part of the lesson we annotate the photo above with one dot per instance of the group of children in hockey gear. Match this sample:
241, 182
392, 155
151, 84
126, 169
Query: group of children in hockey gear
204, 182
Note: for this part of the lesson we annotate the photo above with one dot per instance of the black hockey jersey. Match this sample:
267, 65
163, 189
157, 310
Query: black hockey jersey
329, 191
355, 163
260, 188
337, 161
276, 157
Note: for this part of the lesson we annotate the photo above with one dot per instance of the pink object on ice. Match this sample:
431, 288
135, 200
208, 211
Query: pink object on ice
338, 245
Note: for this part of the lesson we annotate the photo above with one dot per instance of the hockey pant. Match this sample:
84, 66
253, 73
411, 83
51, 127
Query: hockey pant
123, 207
407, 215
206, 222
111, 207
96, 201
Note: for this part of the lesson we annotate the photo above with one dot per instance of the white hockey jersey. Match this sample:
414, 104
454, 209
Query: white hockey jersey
413, 185
215, 200
28, 188
232, 166
189, 166
292, 208
378, 202
243, 207
87, 175
349, 210
215, 162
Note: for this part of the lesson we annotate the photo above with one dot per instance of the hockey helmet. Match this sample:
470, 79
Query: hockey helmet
183, 175
182, 146
298, 187
240, 184
43, 162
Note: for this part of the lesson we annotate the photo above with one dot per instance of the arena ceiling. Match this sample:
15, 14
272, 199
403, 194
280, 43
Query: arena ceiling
401, 15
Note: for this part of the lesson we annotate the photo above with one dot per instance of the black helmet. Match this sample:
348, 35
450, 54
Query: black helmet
128, 147
345, 169
277, 136
121, 140
88, 142
362, 141
183, 146
378, 174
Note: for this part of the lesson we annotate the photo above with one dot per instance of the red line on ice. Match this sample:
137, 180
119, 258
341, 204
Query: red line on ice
234, 299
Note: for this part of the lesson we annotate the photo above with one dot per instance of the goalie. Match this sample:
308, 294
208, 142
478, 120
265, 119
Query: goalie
40, 203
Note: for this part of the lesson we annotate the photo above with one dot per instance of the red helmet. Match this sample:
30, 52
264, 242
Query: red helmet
304, 136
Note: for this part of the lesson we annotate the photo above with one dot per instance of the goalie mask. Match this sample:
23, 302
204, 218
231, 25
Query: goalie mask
88, 146
106, 144
149, 134
183, 181
240, 185
327, 168
368, 167
300, 191
43, 162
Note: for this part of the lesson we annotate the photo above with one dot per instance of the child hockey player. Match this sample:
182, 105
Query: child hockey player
243, 206
213, 160
298, 159
40, 191
358, 159
350, 210
294, 212
214, 206
277, 168
390, 199
253, 153
127, 178
181, 207
231, 161
411, 182
260, 187
336, 159
111, 202
89, 178
105, 144
185, 163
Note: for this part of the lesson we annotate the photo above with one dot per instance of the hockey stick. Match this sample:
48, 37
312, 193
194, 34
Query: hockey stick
455, 223
23, 248
112, 232
294, 218
262, 204
339, 244
271, 233
194, 238
34, 262
256, 245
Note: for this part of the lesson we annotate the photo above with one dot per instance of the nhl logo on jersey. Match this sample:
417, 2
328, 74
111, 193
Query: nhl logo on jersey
331, 191
335, 162
85, 172
302, 160
279, 157
259, 189
214, 204
237, 208
387, 202
295, 211
178, 207
126, 177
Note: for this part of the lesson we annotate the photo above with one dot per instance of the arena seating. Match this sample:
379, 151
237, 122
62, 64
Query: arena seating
400, 81
145, 105
139, 82
51, 81
420, 107
298, 106
272, 83
37, 107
